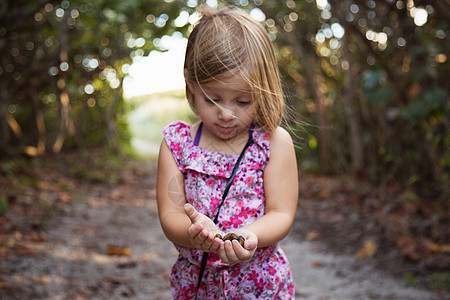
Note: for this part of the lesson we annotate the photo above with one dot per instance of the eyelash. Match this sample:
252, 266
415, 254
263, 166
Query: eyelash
243, 102
209, 100
239, 102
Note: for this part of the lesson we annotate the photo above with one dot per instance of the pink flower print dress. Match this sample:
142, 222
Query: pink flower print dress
268, 274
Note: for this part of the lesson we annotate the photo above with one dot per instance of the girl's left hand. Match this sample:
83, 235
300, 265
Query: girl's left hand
232, 252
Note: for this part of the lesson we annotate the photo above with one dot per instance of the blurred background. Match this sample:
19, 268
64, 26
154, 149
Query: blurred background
87, 86
367, 80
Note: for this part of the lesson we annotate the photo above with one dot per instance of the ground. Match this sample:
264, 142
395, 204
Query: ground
75, 227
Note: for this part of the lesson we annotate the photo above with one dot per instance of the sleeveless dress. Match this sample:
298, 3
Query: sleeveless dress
267, 275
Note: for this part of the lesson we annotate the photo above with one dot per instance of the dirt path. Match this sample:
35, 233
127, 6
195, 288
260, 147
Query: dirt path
106, 243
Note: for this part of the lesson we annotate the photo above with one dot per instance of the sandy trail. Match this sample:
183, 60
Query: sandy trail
73, 262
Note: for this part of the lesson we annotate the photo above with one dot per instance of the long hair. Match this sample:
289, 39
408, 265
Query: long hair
229, 40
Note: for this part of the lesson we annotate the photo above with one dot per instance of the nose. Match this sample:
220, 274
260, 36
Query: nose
226, 114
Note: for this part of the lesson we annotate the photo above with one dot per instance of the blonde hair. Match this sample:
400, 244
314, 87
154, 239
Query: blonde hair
228, 40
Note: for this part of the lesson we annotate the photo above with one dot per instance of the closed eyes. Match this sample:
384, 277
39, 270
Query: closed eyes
239, 102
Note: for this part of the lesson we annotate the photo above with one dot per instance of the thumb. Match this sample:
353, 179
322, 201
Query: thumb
250, 245
191, 212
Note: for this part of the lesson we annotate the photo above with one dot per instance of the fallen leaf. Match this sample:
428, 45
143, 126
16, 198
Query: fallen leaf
12, 285
411, 248
433, 247
24, 250
113, 250
40, 281
65, 197
38, 237
367, 250
317, 263
116, 279
313, 235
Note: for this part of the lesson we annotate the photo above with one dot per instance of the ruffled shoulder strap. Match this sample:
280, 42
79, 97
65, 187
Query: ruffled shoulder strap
261, 139
178, 138
188, 156
260, 149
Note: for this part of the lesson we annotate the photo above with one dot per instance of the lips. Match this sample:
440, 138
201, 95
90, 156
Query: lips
225, 129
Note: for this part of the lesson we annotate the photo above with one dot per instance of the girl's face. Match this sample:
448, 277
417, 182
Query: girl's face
225, 106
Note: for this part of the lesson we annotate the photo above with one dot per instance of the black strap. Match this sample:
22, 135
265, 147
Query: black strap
225, 193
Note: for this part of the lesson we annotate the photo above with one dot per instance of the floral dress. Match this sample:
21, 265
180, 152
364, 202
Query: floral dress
267, 275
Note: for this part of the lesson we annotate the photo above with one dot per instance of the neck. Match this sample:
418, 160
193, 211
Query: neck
233, 145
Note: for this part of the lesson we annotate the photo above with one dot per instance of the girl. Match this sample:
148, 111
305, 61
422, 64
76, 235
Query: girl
233, 86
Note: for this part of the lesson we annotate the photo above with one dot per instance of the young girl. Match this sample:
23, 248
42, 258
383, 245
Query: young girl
233, 85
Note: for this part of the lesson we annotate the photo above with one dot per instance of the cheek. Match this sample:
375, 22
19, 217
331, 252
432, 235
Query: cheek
206, 112
248, 113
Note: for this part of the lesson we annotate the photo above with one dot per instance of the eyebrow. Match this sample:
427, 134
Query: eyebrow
212, 90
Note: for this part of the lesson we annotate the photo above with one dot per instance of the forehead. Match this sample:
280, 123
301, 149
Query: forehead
232, 82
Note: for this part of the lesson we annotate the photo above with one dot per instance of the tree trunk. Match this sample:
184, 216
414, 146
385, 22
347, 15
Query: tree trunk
353, 119
66, 126
4, 128
111, 121
311, 69
9, 127
40, 124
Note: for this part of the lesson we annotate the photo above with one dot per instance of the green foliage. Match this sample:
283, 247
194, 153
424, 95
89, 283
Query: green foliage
439, 280
3, 206
410, 279
397, 95
64, 63
14, 167
98, 166
376, 87
430, 104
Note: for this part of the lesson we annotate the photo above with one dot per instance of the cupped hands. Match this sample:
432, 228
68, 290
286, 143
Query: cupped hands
202, 233
232, 251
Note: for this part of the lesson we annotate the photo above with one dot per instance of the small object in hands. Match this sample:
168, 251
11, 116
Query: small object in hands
231, 236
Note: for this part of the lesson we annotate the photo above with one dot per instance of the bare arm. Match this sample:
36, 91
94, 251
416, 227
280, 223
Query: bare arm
281, 193
181, 224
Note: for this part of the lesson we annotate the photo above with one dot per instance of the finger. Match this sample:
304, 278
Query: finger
241, 253
199, 239
250, 244
191, 212
222, 254
230, 253
215, 244
206, 239
194, 230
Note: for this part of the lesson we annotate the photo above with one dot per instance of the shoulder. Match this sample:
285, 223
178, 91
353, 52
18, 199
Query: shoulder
283, 162
177, 131
280, 138
177, 126
282, 150
176, 135
273, 143
177, 141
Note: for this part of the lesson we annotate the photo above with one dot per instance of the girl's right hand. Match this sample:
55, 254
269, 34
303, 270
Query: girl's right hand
202, 230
